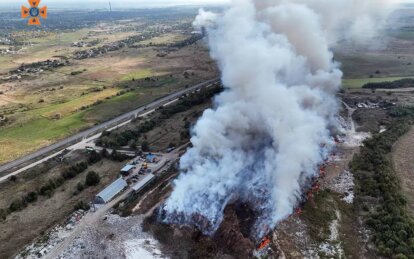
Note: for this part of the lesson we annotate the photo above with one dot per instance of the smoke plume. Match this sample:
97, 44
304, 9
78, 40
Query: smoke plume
270, 129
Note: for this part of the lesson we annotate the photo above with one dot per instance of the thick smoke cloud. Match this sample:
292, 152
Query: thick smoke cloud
271, 128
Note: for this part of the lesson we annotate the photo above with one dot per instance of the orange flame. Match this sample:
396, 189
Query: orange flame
265, 242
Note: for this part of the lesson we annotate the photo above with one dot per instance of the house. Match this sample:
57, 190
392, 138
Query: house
150, 158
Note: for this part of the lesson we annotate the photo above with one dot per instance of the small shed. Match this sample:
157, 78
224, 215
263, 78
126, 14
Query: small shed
126, 170
141, 184
111, 191
150, 158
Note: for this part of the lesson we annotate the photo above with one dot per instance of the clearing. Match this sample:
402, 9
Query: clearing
403, 160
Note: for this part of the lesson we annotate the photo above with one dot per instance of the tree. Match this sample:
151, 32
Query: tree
80, 186
104, 153
94, 157
132, 144
3, 214
92, 179
145, 146
31, 197
17, 204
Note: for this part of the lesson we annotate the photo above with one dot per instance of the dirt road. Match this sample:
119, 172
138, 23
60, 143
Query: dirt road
92, 218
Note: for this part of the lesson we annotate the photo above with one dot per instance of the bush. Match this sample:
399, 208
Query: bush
81, 205
391, 224
74, 170
104, 153
17, 205
118, 156
117, 139
145, 146
31, 197
59, 181
92, 179
46, 190
80, 187
94, 157
3, 214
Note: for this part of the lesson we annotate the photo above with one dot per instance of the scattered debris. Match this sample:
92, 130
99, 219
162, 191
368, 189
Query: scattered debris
344, 184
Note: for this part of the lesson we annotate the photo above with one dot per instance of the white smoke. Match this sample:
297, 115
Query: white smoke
261, 144
204, 19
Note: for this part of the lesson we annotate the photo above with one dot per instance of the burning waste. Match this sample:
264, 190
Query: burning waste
270, 131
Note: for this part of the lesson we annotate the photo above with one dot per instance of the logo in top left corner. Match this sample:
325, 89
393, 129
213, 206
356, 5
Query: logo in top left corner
34, 12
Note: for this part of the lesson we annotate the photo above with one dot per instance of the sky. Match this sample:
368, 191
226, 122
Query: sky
115, 3
100, 4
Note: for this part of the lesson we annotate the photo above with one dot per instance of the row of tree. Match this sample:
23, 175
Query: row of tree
378, 191
47, 189
402, 83
116, 139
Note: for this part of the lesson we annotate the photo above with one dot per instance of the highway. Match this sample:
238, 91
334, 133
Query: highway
79, 138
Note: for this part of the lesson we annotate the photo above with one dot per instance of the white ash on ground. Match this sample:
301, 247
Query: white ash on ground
344, 185
114, 237
142, 249
295, 229
41, 247
333, 247
355, 139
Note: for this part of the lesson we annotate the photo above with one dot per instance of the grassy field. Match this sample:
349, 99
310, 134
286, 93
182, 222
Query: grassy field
45, 107
359, 82
17, 141
40, 129
164, 39
138, 75
403, 163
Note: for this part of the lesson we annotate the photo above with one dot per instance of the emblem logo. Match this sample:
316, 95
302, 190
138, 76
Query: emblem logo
34, 12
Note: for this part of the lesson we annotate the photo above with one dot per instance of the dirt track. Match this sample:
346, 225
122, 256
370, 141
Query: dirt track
403, 160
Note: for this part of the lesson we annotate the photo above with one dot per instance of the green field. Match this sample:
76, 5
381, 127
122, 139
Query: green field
359, 82
138, 75
39, 130
45, 106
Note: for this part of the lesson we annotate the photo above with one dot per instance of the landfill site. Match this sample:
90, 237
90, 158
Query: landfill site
123, 220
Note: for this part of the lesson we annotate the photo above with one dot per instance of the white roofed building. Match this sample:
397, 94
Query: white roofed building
111, 191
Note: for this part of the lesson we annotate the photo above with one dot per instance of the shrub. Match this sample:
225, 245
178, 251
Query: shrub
3, 214
31, 197
17, 205
80, 187
145, 146
391, 225
46, 190
81, 205
92, 179
94, 157
118, 156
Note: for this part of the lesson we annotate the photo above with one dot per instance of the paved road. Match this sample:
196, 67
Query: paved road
101, 127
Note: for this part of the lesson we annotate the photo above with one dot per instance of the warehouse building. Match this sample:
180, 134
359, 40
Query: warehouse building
141, 184
111, 191
127, 170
